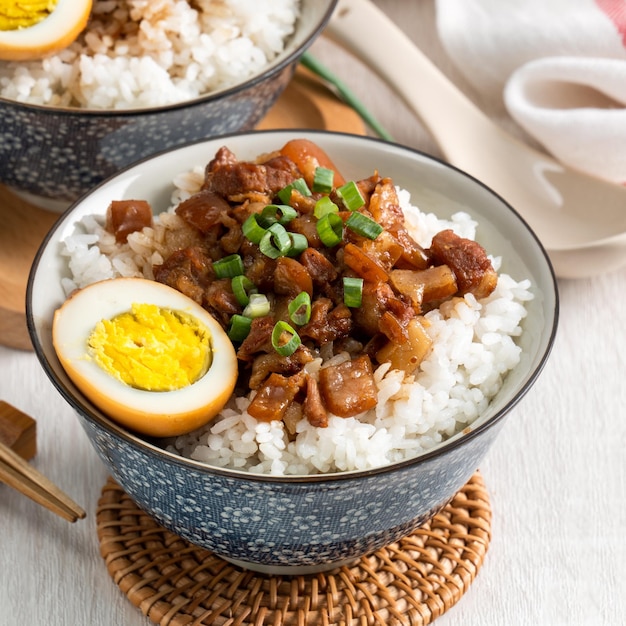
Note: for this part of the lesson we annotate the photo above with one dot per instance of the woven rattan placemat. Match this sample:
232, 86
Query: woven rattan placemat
410, 582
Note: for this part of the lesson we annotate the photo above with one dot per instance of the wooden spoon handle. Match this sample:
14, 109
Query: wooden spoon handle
364, 30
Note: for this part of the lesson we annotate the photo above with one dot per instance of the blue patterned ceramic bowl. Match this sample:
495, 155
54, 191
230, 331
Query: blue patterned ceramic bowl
51, 156
308, 523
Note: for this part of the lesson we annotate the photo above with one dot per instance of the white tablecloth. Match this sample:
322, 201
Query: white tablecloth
556, 475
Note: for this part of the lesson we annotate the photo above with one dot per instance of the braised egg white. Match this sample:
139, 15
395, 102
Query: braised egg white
146, 355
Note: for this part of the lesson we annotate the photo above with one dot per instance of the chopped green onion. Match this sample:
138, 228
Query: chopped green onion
299, 243
270, 214
352, 292
323, 180
242, 288
265, 221
229, 266
239, 327
300, 308
324, 206
351, 196
330, 229
298, 185
288, 347
258, 306
252, 230
275, 242
363, 225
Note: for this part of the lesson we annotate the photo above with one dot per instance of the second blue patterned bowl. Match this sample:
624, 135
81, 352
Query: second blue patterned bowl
52, 156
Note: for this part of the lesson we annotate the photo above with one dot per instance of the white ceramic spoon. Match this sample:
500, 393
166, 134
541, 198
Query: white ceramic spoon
580, 220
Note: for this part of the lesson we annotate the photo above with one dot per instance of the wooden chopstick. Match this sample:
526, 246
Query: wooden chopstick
19, 474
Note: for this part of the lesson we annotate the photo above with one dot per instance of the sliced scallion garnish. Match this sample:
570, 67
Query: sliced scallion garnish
239, 327
252, 230
299, 243
324, 206
330, 229
300, 309
298, 185
242, 287
229, 266
258, 306
351, 196
275, 242
323, 180
288, 347
352, 292
281, 213
363, 225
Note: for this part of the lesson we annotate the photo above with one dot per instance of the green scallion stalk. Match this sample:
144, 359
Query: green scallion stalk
242, 287
351, 196
324, 206
363, 225
330, 229
258, 306
300, 309
352, 292
275, 242
229, 266
288, 347
239, 327
252, 230
298, 185
346, 94
323, 180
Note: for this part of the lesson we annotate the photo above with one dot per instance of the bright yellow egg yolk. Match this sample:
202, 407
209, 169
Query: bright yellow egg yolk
152, 348
16, 14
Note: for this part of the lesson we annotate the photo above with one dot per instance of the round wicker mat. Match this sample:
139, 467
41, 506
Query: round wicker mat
410, 582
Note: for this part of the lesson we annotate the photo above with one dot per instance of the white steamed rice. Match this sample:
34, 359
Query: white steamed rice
169, 51
474, 347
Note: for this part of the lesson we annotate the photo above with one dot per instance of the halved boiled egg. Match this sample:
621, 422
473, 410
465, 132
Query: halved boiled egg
33, 29
146, 355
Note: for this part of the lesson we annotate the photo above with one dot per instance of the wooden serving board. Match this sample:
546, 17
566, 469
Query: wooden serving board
306, 103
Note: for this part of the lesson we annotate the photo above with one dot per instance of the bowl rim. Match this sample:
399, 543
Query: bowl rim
146, 444
270, 71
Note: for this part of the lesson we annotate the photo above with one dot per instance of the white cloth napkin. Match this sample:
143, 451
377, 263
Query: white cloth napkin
559, 66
